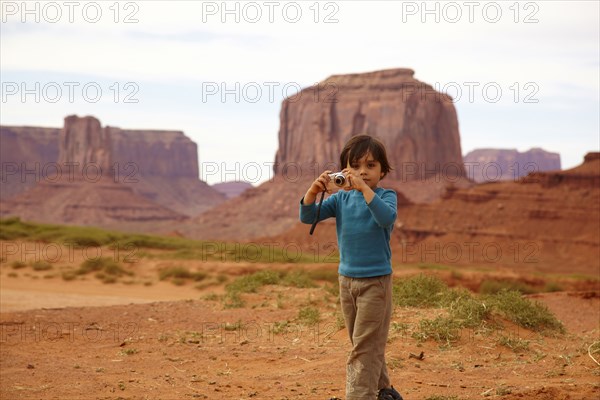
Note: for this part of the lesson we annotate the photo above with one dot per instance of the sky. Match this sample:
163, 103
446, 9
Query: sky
523, 74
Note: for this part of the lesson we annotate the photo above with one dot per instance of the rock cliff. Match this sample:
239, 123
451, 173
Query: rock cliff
160, 166
82, 195
485, 165
418, 125
26, 157
168, 154
85, 146
548, 221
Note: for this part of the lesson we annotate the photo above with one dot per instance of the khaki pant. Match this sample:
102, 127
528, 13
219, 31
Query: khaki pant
367, 308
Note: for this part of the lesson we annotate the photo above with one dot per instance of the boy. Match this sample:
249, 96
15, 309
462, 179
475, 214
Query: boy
365, 215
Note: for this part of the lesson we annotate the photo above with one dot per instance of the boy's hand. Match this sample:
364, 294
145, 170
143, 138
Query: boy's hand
318, 186
356, 182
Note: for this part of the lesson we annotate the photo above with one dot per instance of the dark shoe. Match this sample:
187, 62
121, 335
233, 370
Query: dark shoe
388, 394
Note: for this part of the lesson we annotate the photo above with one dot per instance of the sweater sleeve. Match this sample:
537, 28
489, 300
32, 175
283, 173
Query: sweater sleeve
384, 209
328, 209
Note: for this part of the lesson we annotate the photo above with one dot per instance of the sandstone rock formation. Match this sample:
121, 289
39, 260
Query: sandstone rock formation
260, 211
418, 125
79, 196
485, 165
26, 157
168, 154
548, 221
160, 166
102, 203
84, 144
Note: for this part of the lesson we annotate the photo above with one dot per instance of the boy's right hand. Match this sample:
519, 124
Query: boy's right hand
320, 184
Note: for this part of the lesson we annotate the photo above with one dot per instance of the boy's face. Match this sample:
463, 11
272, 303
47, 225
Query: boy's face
369, 170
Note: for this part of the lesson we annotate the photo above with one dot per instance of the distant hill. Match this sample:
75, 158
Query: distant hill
492, 165
232, 189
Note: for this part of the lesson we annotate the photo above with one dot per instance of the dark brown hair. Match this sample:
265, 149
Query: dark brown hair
358, 146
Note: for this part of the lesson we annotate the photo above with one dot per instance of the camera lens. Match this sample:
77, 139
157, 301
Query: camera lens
340, 180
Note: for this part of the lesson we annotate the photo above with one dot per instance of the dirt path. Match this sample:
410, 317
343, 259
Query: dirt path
27, 293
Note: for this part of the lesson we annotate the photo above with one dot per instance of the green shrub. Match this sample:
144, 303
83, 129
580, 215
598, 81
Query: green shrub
153, 242
419, 291
6, 222
328, 275
106, 278
174, 272
233, 300
41, 265
434, 267
250, 283
115, 270
178, 281
493, 286
69, 275
18, 264
280, 327
440, 329
93, 264
299, 279
553, 287
333, 289
185, 254
309, 315
106, 269
516, 344
524, 312
13, 228
179, 272
466, 309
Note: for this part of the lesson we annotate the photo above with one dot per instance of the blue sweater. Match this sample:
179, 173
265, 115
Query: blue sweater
363, 230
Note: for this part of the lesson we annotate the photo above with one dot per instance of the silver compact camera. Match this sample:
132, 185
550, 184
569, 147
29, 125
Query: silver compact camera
339, 179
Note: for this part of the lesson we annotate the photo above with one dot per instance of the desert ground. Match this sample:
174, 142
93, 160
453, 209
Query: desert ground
165, 325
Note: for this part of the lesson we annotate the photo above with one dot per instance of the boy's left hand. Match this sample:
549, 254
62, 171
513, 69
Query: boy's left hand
356, 182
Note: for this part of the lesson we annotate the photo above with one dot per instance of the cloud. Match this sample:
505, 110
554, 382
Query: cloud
177, 48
